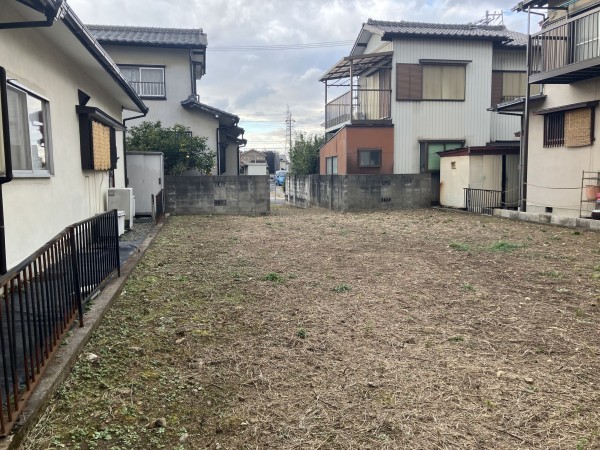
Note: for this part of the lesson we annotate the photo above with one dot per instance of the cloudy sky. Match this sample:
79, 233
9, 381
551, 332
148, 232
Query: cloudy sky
259, 84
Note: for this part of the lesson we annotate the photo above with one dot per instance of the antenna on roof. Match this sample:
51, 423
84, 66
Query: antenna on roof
492, 18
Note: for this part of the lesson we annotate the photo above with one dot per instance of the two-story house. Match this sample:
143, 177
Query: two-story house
64, 98
164, 66
253, 162
410, 91
562, 156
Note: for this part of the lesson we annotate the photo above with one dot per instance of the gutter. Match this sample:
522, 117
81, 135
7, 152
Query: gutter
52, 13
84, 36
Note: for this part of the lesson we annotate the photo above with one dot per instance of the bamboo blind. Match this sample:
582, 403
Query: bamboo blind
101, 146
578, 124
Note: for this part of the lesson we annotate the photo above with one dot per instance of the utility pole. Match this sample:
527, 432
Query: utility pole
288, 131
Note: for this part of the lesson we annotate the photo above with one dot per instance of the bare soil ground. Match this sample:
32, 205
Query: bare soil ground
311, 329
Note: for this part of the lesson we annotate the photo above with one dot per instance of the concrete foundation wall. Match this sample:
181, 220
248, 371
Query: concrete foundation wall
248, 195
359, 192
563, 221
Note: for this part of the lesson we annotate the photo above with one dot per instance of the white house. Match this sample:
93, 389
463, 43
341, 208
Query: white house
412, 90
65, 99
164, 66
562, 153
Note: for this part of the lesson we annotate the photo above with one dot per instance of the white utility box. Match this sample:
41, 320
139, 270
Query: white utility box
122, 199
121, 222
145, 174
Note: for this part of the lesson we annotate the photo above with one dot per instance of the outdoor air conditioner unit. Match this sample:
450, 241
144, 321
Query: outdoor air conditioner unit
122, 199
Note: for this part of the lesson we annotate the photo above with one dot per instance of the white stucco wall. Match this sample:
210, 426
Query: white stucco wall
453, 180
178, 88
552, 169
36, 209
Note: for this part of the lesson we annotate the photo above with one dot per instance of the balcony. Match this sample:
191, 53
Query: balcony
567, 51
359, 106
149, 89
368, 101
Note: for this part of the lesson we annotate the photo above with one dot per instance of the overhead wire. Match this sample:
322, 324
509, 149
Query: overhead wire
310, 45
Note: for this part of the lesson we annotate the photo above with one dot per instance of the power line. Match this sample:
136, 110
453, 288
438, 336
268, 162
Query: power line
311, 45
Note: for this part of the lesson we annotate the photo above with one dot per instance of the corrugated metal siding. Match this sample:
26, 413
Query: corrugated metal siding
375, 45
468, 120
503, 127
509, 60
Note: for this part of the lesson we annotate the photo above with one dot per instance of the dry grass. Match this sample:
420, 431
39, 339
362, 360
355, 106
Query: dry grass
311, 329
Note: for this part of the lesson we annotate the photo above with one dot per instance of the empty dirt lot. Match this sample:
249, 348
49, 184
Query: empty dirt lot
311, 329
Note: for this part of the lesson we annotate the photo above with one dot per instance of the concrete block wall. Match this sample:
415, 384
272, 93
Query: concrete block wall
359, 192
246, 195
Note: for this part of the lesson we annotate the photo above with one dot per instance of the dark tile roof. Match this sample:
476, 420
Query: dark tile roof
459, 31
149, 36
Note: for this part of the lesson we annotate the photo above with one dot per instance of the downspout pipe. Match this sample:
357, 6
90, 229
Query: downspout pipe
524, 156
125, 145
8, 164
525, 138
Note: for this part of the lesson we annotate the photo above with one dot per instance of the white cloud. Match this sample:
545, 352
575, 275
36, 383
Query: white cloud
259, 85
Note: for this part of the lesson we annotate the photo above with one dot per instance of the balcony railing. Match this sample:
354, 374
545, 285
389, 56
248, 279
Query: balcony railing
149, 88
40, 300
366, 105
567, 51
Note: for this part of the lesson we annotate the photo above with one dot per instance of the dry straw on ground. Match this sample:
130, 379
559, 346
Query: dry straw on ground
312, 329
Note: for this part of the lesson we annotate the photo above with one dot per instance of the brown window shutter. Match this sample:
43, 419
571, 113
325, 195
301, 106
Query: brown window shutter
409, 82
578, 127
416, 82
496, 88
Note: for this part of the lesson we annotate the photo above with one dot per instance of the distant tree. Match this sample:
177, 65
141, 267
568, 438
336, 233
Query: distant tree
272, 158
182, 151
304, 155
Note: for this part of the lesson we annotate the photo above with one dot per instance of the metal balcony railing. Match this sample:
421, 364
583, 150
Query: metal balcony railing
42, 297
149, 88
359, 105
567, 45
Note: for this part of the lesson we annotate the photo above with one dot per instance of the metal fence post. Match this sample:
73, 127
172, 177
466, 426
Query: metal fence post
75, 268
116, 229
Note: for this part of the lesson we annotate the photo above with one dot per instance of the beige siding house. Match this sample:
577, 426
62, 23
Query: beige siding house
435, 86
58, 79
164, 66
562, 153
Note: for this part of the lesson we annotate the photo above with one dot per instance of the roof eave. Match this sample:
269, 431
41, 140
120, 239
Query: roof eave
79, 30
151, 44
193, 104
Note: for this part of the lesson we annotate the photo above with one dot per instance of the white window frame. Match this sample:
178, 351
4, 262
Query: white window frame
139, 90
49, 170
331, 165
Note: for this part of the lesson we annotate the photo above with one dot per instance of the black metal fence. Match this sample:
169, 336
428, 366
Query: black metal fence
158, 206
42, 297
482, 201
